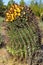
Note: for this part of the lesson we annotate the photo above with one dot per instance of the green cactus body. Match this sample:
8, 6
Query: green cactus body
24, 35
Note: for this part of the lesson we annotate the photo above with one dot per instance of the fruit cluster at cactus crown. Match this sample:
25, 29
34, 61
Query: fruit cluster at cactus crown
16, 11
13, 12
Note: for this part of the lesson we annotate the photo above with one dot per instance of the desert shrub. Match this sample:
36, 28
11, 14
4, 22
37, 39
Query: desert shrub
2, 10
36, 10
23, 31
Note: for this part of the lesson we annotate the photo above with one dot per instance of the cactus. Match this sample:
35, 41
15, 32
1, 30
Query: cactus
23, 31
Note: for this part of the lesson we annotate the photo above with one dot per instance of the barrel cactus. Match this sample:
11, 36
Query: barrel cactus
23, 31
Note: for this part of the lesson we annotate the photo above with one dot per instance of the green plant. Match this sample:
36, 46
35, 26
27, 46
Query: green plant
2, 10
24, 34
37, 7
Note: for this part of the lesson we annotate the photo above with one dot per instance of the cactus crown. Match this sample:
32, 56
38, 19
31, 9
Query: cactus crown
13, 12
17, 11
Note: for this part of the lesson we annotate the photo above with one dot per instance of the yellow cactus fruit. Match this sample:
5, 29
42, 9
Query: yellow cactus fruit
14, 10
18, 14
11, 9
15, 6
15, 13
18, 10
7, 14
12, 16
